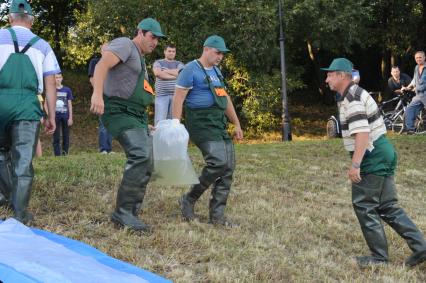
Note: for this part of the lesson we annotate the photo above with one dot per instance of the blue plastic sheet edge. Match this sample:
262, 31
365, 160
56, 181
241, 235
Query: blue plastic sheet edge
85, 250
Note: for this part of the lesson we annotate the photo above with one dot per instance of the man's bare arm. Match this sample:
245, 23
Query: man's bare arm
102, 68
178, 99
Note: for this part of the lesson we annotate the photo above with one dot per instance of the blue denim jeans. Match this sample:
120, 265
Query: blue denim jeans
163, 107
61, 127
416, 105
105, 139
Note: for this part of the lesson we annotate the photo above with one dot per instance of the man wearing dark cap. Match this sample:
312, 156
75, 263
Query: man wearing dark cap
121, 93
208, 107
28, 65
372, 169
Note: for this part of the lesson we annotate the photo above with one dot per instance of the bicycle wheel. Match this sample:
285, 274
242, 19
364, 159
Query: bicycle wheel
398, 124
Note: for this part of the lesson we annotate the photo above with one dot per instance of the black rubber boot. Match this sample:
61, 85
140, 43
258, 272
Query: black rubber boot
396, 218
138, 148
5, 176
366, 261
23, 145
221, 189
366, 201
187, 201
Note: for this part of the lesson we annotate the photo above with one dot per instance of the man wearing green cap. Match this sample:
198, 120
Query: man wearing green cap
200, 87
372, 169
27, 66
121, 93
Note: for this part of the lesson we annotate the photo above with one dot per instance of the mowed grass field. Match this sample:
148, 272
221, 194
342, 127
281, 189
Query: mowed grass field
292, 201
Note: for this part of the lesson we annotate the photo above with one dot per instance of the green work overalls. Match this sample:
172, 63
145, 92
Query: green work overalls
126, 120
20, 114
375, 199
207, 129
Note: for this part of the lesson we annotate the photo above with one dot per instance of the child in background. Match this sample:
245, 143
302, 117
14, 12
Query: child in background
39, 150
63, 117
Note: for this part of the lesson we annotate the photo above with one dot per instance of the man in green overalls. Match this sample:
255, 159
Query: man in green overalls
26, 63
200, 86
372, 169
121, 93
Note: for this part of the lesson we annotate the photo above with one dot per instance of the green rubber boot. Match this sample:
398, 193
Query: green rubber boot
5, 176
24, 136
138, 148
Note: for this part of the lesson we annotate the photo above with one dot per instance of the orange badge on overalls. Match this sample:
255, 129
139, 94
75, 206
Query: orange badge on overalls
220, 91
147, 87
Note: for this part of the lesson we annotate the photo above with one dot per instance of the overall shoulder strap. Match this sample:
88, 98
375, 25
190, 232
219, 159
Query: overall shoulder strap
30, 43
15, 40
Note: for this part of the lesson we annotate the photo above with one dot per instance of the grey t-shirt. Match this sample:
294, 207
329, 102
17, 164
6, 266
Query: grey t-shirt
122, 78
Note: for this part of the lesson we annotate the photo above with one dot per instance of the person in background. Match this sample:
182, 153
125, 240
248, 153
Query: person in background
356, 76
166, 71
104, 138
64, 117
419, 85
397, 81
39, 149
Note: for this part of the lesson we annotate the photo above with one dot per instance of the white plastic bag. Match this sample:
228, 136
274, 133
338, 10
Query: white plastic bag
172, 165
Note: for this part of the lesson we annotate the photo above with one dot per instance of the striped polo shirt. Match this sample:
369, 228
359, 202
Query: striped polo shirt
40, 54
166, 87
358, 113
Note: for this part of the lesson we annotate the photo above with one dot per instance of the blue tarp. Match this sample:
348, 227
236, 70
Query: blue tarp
30, 255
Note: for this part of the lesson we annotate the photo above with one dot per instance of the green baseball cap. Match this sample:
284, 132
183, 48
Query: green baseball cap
217, 42
20, 7
340, 64
151, 25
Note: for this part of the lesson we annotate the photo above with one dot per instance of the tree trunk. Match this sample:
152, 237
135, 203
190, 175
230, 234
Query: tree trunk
317, 73
57, 45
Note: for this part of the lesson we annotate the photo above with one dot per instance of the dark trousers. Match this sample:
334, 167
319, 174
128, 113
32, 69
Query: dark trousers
61, 127
105, 139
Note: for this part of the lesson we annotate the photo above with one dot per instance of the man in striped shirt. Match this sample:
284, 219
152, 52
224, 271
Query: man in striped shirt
372, 169
166, 71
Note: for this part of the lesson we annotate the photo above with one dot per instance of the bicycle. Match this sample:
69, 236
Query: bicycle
395, 118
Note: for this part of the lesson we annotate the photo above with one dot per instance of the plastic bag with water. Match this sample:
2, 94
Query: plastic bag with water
172, 165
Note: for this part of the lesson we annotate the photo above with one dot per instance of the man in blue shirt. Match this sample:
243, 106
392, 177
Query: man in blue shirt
200, 87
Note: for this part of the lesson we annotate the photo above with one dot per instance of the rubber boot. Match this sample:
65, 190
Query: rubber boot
187, 201
366, 200
5, 176
24, 136
138, 148
221, 189
396, 218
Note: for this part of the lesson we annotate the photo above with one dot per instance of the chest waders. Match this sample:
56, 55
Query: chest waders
126, 120
207, 129
209, 124
375, 200
20, 114
123, 114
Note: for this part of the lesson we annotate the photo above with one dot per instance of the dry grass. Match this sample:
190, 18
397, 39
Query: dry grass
291, 199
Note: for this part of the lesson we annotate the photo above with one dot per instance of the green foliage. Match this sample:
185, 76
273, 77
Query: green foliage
315, 32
